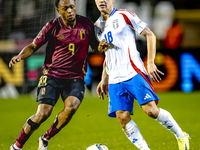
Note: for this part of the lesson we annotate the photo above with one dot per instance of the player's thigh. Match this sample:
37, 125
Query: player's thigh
71, 104
43, 112
140, 88
151, 109
48, 90
74, 89
119, 99
123, 115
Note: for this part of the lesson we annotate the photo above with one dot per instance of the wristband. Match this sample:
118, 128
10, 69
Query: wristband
20, 55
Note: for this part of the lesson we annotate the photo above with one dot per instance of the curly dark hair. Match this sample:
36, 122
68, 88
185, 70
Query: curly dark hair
57, 2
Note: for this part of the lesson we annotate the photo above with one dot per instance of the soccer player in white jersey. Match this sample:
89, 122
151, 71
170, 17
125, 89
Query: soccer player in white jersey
128, 79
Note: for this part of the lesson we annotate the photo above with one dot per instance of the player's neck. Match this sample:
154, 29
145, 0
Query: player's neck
106, 15
70, 25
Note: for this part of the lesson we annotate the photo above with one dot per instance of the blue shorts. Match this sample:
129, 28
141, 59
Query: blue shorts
122, 95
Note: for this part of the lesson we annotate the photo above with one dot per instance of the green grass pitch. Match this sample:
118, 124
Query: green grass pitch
91, 124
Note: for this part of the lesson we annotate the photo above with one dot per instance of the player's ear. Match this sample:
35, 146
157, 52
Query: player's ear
113, 1
58, 10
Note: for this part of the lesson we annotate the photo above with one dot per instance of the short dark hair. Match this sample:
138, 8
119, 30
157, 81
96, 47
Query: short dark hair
57, 2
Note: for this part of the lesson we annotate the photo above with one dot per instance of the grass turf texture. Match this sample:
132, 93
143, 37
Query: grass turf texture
92, 125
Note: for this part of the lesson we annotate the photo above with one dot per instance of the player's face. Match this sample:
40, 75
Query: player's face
67, 10
105, 6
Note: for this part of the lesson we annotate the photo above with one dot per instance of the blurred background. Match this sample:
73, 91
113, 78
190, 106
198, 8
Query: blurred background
176, 23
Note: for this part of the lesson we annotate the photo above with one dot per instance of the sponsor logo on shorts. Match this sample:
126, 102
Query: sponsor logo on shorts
147, 97
43, 90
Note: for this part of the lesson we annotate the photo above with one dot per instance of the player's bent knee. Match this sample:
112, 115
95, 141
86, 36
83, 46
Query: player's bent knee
70, 110
153, 113
72, 105
41, 116
123, 117
151, 109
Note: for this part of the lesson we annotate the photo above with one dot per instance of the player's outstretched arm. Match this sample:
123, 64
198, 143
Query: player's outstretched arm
103, 46
25, 53
151, 48
101, 88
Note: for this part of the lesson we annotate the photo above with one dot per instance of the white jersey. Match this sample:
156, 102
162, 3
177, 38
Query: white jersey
122, 58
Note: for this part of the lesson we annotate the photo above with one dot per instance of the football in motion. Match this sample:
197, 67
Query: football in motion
97, 147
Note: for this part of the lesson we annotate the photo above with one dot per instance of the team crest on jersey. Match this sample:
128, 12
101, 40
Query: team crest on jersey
82, 34
115, 24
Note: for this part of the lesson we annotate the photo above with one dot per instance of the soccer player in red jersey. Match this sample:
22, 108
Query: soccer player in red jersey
68, 38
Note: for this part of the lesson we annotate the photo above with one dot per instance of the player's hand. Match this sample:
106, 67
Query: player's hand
101, 89
15, 60
103, 46
154, 73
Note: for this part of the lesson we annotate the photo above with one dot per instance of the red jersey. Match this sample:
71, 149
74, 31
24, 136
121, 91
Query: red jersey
67, 49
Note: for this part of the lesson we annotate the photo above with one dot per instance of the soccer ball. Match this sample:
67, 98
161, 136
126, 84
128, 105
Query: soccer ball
97, 147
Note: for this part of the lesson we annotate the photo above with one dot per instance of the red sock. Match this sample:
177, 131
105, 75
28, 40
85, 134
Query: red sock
51, 132
21, 140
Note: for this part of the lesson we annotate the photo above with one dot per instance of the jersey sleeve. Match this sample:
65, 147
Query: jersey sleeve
93, 40
134, 21
44, 35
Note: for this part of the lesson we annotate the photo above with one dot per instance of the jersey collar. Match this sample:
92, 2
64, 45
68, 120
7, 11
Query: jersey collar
112, 13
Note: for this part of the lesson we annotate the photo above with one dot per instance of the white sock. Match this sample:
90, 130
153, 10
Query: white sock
133, 134
16, 147
166, 119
